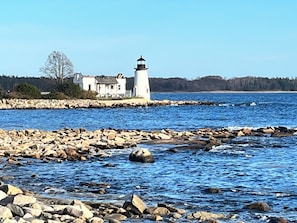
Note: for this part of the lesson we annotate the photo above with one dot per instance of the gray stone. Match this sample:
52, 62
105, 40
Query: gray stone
259, 206
135, 205
162, 211
16, 210
277, 220
141, 155
118, 217
73, 211
204, 216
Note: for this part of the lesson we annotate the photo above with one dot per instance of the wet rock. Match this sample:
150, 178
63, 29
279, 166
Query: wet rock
277, 220
141, 155
113, 221
135, 205
258, 206
211, 144
212, 190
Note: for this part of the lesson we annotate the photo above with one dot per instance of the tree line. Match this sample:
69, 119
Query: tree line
217, 83
207, 83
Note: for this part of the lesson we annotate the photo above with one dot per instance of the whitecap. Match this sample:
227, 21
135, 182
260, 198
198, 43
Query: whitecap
53, 190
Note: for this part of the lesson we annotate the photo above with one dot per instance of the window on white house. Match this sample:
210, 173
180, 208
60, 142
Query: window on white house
111, 87
119, 87
89, 87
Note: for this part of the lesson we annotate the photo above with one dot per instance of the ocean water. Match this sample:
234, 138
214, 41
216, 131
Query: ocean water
247, 170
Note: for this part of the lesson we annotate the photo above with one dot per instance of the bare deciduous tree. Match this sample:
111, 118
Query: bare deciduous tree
58, 67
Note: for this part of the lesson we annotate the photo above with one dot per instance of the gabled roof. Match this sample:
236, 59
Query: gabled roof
106, 80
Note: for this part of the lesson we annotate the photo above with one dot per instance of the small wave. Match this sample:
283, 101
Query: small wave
281, 194
225, 105
53, 190
227, 149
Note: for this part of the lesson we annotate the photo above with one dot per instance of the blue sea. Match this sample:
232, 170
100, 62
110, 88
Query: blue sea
248, 170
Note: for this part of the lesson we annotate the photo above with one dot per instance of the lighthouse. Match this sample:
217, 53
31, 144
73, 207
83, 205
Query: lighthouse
141, 82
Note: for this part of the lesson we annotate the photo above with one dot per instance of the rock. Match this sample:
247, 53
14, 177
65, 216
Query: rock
277, 220
162, 211
113, 221
72, 211
32, 211
96, 220
5, 213
171, 208
78, 220
135, 205
152, 217
22, 200
176, 215
141, 155
240, 133
213, 142
86, 213
16, 210
2, 195
10, 189
212, 190
119, 217
204, 216
259, 206
268, 130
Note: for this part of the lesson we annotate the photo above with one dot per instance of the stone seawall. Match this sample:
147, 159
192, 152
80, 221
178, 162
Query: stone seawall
88, 103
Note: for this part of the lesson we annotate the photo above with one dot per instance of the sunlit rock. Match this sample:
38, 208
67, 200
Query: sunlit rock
141, 155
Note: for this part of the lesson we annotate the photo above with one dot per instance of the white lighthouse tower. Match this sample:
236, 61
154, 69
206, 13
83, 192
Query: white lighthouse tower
141, 81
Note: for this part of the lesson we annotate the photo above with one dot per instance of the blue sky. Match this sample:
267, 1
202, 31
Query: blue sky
178, 38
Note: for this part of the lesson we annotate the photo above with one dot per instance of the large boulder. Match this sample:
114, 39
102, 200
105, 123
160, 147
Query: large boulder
141, 155
135, 205
258, 206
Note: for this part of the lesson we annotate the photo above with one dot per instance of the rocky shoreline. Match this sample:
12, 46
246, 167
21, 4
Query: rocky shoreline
88, 103
21, 206
17, 205
82, 144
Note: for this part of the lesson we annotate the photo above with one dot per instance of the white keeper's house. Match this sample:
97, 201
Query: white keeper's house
115, 86
105, 86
